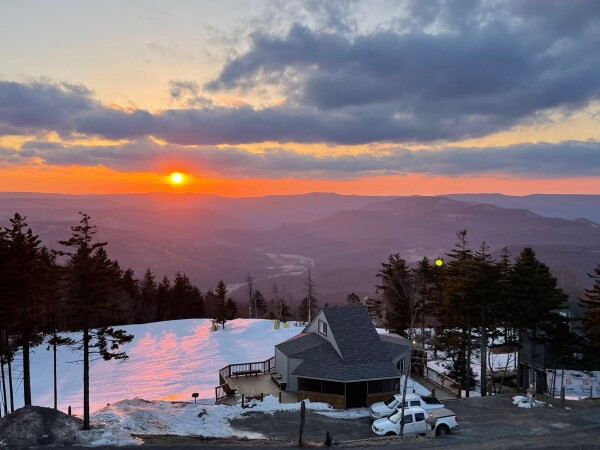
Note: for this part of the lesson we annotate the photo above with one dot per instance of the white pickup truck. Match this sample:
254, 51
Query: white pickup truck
389, 407
414, 422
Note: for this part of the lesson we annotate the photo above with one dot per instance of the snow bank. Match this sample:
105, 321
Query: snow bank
141, 417
526, 402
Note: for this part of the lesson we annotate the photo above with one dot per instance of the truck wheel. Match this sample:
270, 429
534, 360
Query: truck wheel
442, 430
390, 433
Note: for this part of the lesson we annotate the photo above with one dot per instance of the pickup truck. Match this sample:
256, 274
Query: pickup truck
414, 422
389, 407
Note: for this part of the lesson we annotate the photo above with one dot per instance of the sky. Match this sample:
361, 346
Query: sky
248, 98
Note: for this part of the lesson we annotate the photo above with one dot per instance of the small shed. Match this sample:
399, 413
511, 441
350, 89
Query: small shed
339, 358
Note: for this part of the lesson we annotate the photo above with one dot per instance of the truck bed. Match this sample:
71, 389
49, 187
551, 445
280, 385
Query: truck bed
440, 412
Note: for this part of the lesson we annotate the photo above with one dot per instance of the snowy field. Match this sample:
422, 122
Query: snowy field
167, 361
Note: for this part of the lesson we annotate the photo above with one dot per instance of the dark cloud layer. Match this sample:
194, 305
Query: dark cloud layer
566, 159
440, 71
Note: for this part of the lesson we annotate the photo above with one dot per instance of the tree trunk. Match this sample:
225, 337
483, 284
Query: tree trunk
468, 363
483, 349
9, 365
26, 375
55, 381
3, 385
86, 379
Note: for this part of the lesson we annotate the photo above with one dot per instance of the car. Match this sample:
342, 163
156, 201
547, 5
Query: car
389, 407
415, 422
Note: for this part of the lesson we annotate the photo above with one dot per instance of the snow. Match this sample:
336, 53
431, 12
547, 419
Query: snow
150, 393
526, 402
167, 361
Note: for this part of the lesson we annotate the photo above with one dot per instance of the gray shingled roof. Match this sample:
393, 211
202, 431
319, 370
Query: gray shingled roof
364, 354
300, 343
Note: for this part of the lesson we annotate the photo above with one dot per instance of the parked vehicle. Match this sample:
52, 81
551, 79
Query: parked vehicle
389, 407
414, 422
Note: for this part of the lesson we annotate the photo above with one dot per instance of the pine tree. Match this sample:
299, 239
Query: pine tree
92, 279
26, 293
353, 299
220, 305
163, 300
590, 323
394, 276
148, 294
260, 304
538, 299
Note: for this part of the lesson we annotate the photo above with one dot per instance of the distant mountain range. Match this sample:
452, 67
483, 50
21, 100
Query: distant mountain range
343, 239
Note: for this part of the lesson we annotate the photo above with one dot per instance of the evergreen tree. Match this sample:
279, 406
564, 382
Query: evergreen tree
231, 309
187, 300
394, 278
590, 323
163, 299
459, 313
220, 305
260, 304
375, 308
148, 295
538, 299
92, 279
25, 291
353, 299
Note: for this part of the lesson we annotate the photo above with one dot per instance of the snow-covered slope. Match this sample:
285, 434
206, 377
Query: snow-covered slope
167, 361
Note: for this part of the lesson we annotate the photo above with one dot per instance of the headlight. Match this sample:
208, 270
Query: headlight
375, 414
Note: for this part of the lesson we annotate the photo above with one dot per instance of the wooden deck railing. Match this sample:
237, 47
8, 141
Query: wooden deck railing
443, 381
267, 366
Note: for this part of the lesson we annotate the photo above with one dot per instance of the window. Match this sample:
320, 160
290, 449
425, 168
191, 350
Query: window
378, 386
419, 417
307, 384
322, 328
332, 387
407, 419
400, 365
415, 403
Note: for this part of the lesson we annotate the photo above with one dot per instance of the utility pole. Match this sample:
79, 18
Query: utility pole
250, 296
310, 294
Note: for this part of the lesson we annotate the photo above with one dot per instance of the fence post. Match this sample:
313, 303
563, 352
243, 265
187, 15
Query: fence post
242, 401
302, 417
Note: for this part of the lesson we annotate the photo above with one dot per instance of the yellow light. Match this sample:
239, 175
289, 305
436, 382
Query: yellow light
439, 262
176, 178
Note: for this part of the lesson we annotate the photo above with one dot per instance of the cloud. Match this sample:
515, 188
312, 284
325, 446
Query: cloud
433, 72
543, 160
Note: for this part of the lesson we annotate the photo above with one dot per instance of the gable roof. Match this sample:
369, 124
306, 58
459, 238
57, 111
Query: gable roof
363, 353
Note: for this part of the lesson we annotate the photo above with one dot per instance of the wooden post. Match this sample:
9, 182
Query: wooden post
302, 418
328, 439
433, 392
242, 401
69, 410
562, 396
279, 396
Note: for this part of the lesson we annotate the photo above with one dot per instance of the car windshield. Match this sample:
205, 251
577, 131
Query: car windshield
395, 418
391, 402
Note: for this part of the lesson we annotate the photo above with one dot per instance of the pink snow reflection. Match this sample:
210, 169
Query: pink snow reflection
167, 361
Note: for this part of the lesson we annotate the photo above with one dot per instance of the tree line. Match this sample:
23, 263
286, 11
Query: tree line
475, 303
50, 296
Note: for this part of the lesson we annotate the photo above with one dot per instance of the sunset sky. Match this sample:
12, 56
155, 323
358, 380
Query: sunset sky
277, 97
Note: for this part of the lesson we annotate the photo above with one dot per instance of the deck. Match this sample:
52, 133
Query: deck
252, 380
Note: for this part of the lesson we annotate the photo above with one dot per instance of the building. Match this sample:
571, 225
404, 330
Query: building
339, 358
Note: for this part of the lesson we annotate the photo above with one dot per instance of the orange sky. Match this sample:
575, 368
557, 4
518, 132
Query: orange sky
243, 98
81, 180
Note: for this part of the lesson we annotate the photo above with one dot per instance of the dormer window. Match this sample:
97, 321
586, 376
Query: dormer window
322, 328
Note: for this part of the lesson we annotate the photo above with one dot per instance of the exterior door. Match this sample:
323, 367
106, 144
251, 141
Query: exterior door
356, 394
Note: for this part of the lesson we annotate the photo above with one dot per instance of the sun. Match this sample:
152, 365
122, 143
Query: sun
176, 178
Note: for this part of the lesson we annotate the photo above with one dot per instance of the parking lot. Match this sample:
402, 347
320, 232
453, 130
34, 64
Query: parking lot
491, 421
